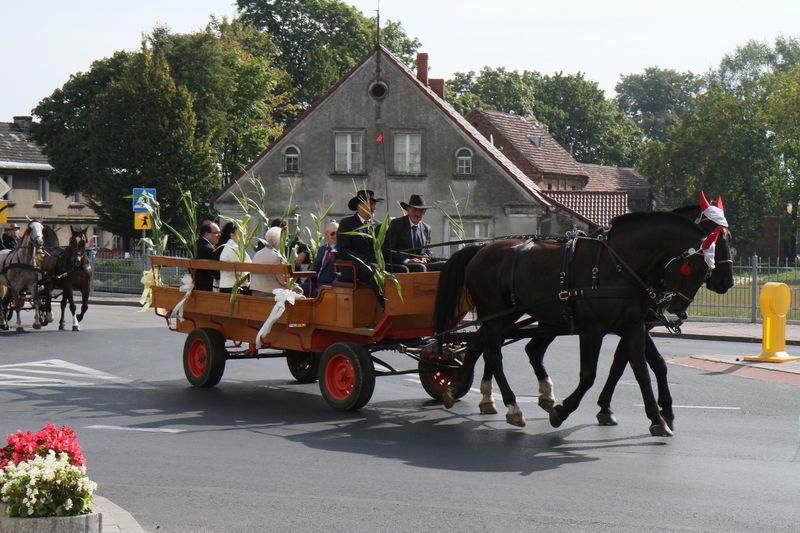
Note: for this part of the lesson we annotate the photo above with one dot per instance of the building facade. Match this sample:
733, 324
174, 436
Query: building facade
385, 128
26, 170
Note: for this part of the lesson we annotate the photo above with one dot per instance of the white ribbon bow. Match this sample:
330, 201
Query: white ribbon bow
186, 286
282, 296
148, 281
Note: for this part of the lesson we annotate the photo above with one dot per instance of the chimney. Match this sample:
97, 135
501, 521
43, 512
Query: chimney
437, 85
422, 67
571, 148
23, 123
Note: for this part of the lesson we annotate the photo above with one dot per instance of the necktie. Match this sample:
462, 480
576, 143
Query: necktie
325, 259
417, 242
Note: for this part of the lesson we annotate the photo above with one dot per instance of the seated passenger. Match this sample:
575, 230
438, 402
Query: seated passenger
302, 248
407, 237
206, 249
230, 252
323, 264
262, 284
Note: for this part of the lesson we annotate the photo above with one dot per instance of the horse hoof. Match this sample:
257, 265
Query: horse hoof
660, 430
20, 329
37, 326
516, 419
670, 420
75, 328
448, 398
555, 419
547, 403
487, 408
61, 327
606, 419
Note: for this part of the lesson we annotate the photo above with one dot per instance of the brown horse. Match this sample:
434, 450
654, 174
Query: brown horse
68, 269
592, 288
19, 274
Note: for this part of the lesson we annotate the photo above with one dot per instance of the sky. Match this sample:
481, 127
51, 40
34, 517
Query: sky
45, 41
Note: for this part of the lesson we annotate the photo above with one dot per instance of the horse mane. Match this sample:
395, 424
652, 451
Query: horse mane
631, 220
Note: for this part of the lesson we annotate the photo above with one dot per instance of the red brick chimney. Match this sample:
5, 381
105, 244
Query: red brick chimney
437, 86
23, 123
422, 67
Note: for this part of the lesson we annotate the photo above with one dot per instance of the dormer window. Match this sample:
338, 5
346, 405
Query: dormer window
291, 160
463, 161
535, 140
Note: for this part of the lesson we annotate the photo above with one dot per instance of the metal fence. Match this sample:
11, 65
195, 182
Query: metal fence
739, 303
124, 275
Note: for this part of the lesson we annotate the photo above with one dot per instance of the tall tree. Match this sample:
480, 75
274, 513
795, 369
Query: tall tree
496, 89
579, 115
240, 97
720, 146
656, 98
235, 95
319, 40
144, 135
742, 72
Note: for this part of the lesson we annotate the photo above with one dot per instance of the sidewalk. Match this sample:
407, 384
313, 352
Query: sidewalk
115, 518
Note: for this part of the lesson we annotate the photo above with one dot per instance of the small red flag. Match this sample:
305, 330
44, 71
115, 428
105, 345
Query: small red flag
380, 137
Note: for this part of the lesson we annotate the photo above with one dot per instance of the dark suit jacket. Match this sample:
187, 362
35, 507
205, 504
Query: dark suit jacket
350, 246
398, 238
204, 279
324, 276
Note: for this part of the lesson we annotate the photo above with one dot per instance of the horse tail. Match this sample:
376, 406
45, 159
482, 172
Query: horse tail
451, 287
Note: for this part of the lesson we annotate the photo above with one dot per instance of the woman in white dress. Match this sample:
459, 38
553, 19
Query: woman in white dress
230, 252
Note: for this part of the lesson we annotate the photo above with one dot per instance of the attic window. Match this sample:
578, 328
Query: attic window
378, 90
535, 140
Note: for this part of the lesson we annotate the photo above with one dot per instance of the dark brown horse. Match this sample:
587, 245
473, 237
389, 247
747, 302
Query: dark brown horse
591, 288
68, 269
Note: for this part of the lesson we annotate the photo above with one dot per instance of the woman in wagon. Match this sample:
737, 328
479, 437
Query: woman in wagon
229, 240
261, 283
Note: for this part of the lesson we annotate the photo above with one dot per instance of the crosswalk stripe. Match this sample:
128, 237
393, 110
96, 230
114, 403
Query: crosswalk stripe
55, 372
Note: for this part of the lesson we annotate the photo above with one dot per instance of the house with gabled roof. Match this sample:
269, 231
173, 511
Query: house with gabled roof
597, 192
26, 170
386, 128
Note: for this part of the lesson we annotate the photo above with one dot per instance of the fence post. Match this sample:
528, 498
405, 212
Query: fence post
754, 288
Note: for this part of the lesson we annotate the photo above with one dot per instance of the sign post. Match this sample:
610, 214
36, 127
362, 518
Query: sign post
141, 215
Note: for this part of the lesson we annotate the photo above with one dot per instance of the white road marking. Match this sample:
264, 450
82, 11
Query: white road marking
145, 430
53, 372
712, 407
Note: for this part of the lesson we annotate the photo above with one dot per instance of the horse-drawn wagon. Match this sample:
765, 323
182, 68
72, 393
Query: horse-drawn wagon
332, 338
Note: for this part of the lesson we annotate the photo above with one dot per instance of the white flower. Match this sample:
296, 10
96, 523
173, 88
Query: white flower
68, 504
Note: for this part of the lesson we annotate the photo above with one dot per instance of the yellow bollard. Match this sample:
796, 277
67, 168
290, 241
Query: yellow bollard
775, 301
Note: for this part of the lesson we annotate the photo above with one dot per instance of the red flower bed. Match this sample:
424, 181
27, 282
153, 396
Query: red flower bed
24, 446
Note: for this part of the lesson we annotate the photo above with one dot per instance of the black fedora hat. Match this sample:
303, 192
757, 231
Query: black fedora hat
360, 197
416, 200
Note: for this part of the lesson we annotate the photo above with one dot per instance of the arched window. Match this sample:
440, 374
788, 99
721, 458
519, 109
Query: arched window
291, 160
463, 161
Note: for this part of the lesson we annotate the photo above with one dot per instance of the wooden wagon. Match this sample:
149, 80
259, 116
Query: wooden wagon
331, 338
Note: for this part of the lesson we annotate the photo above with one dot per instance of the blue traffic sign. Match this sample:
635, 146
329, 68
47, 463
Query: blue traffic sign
139, 201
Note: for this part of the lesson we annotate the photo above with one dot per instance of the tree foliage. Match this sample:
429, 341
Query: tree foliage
656, 98
318, 41
574, 109
186, 111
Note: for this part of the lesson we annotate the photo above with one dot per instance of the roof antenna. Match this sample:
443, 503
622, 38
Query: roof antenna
378, 43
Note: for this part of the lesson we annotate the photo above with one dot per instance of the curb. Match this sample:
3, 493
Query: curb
723, 338
115, 518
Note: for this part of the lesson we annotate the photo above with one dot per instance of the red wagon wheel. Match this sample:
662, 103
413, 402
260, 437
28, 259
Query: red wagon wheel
204, 356
304, 366
436, 380
346, 376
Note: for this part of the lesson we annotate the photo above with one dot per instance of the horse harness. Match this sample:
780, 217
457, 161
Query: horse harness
569, 295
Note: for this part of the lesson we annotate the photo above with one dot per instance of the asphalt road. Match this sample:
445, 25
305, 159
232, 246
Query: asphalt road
262, 453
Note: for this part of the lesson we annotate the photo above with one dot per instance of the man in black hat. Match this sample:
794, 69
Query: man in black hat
358, 248
407, 237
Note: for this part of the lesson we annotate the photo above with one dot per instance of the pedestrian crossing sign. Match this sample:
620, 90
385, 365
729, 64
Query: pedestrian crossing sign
142, 220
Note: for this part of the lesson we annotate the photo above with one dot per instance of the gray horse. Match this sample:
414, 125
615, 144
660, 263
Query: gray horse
18, 271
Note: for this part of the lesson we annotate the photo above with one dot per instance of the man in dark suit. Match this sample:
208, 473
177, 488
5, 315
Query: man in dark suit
324, 262
206, 249
358, 248
407, 237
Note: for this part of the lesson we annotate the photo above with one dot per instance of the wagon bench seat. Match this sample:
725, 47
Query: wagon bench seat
310, 324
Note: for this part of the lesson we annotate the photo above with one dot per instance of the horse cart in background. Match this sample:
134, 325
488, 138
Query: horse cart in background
332, 338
